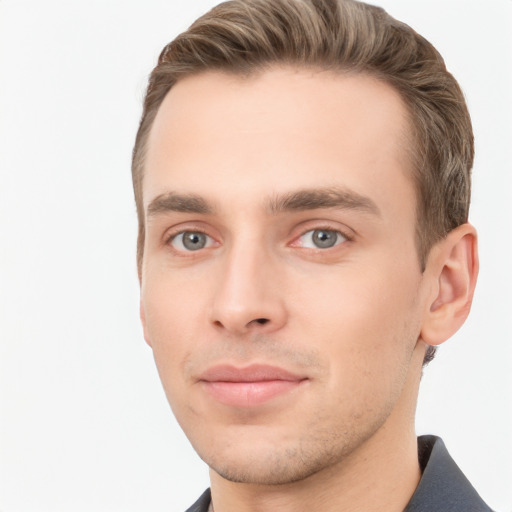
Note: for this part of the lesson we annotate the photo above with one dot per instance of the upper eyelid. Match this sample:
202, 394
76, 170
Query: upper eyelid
172, 232
296, 232
182, 233
172, 236
169, 243
339, 232
345, 231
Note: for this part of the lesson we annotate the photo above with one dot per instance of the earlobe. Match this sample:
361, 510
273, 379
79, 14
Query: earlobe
453, 269
142, 314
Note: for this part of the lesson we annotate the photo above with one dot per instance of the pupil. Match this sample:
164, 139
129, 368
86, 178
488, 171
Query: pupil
324, 239
194, 241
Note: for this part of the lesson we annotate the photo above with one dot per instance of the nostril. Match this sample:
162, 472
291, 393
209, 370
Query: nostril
262, 321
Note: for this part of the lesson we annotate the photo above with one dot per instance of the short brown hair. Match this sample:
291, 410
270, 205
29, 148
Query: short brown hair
248, 36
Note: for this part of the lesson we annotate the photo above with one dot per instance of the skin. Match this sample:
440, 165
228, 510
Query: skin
226, 158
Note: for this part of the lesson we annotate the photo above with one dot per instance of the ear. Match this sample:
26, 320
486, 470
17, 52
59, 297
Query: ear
142, 314
452, 267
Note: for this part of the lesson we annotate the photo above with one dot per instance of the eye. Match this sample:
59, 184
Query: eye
321, 239
191, 241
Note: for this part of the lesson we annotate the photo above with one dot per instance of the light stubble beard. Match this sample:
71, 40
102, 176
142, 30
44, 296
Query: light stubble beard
306, 458
321, 446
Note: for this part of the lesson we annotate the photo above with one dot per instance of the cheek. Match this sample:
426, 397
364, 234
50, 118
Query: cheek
173, 326
171, 302
367, 324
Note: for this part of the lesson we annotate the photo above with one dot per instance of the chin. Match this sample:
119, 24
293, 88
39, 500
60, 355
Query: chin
278, 469
275, 464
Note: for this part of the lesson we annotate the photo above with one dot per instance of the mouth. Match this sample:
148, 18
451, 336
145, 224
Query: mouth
249, 386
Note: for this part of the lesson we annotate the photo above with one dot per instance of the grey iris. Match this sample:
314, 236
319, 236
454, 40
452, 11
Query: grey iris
194, 241
324, 239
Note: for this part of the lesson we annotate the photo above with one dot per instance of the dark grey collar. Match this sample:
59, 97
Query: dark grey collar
202, 504
443, 487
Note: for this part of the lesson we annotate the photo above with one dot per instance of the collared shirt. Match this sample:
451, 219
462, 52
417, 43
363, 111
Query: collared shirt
442, 488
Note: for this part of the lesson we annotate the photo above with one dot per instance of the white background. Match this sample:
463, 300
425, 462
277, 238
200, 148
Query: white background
84, 425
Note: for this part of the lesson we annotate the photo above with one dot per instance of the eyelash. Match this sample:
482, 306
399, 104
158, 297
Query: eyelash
175, 236
341, 237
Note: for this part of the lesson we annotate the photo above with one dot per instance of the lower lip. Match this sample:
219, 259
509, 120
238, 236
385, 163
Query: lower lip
249, 394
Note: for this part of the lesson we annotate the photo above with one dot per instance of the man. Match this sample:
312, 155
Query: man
302, 179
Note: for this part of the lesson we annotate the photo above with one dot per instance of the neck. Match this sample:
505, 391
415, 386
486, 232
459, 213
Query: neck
380, 475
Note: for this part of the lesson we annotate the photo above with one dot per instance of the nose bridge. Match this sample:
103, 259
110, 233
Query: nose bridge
247, 295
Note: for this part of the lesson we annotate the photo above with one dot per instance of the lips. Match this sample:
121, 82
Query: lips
248, 386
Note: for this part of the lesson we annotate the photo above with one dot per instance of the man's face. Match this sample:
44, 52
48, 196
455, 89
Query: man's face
281, 288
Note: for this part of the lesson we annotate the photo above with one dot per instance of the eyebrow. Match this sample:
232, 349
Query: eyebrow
174, 202
299, 200
318, 198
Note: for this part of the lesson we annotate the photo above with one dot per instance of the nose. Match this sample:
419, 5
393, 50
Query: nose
249, 297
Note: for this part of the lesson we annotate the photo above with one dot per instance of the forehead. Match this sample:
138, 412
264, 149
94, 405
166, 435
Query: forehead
277, 130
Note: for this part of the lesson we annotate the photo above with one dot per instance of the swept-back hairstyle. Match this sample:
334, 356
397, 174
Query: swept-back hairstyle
248, 36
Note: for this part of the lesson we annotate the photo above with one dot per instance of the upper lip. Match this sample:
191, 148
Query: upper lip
251, 373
